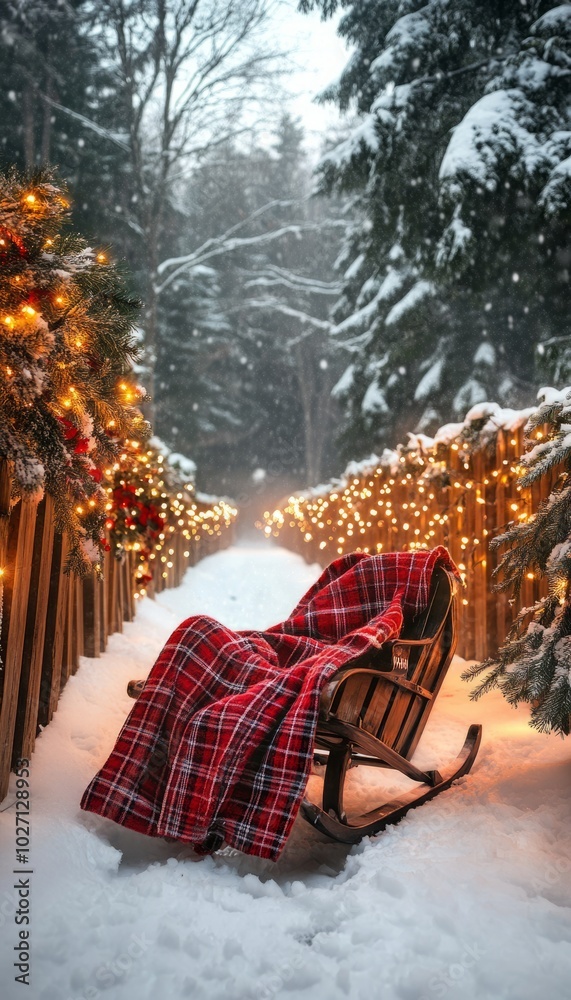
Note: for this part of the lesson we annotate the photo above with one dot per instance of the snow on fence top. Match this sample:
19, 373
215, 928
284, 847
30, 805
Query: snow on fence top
460, 488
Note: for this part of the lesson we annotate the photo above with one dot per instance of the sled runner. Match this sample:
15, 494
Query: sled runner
374, 714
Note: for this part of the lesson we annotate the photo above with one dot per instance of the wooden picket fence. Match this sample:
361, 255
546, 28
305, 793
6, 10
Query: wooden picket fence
481, 497
49, 618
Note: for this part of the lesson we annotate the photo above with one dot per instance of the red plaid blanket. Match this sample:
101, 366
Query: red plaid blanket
219, 744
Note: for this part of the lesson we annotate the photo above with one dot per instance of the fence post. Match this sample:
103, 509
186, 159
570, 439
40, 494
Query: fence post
92, 615
38, 611
55, 632
16, 592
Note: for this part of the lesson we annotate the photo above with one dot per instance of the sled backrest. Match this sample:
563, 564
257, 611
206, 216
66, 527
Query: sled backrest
391, 695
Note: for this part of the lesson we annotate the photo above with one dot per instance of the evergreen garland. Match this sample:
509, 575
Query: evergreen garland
534, 664
66, 399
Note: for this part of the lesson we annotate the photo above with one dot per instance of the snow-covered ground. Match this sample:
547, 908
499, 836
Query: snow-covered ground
470, 896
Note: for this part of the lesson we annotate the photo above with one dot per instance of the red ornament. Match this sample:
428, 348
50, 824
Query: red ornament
10, 242
70, 431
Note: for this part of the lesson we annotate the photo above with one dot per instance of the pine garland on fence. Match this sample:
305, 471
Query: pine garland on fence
67, 344
534, 664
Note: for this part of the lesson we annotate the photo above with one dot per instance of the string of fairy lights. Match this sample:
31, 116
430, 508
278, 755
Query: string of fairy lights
149, 511
457, 494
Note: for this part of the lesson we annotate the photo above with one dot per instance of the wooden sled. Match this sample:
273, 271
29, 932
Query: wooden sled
374, 715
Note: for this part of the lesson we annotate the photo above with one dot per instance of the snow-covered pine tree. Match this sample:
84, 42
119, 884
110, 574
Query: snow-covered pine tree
460, 163
195, 406
534, 665
59, 105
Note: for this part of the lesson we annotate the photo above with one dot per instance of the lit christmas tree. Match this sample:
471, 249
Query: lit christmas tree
66, 398
534, 664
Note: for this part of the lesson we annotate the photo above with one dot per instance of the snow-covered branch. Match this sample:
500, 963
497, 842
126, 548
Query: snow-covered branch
273, 276
120, 139
223, 245
274, 305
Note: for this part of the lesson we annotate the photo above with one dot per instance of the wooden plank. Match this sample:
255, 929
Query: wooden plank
403, 703
5, 489
129, 586
79, 636
115, 618
105, 587
16, 591
350, 703
55, 632
479, 562
92, 615
60, 650
38, 612
119, 594
383, 697
68, 642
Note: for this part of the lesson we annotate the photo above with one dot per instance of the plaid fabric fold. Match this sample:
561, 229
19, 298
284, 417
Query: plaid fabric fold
219, 745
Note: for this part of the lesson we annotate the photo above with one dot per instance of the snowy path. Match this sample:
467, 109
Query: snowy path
469, 897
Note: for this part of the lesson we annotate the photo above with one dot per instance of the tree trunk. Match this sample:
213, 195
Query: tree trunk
304, 371
47, 122
29, 131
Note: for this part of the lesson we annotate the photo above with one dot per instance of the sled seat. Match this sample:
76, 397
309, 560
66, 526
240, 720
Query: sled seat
373, 714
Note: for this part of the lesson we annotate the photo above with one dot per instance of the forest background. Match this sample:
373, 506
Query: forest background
295, 316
